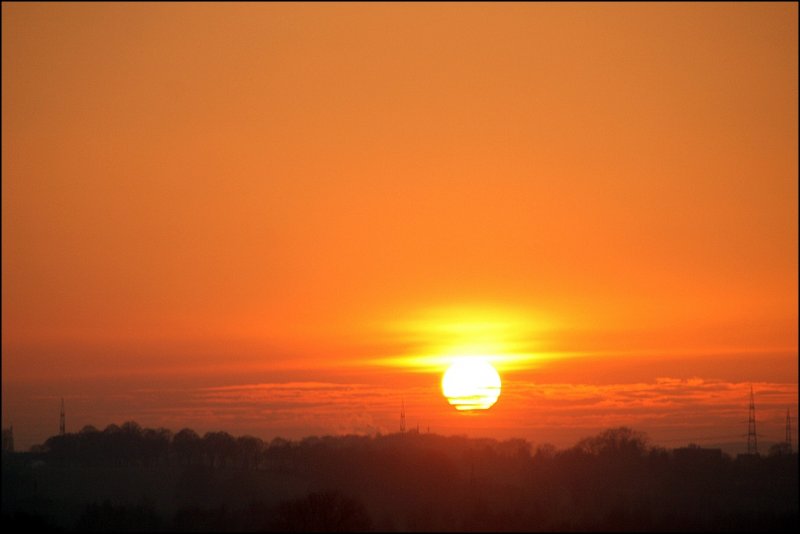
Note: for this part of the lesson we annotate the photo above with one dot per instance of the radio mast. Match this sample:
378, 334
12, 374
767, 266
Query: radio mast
62, 425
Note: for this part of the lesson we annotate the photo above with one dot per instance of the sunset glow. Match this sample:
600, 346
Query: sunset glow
436, 337
291, 219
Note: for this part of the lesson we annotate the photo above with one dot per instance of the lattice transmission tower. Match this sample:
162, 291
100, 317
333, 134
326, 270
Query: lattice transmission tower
752, 440
403, 416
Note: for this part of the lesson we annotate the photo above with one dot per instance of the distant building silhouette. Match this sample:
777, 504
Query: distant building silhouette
8, 439
402, 415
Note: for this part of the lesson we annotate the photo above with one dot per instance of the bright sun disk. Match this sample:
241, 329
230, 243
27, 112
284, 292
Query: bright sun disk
471, 383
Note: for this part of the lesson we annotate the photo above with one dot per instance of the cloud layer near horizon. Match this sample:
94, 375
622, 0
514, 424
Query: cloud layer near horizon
672, 411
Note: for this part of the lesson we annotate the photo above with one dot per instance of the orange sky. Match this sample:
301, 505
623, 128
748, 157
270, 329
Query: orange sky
327, 201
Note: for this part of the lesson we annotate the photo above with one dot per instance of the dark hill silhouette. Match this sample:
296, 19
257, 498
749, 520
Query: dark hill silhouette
132, 478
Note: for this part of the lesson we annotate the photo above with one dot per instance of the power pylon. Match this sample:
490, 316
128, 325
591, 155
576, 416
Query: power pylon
752, 440
62, 426
403, 416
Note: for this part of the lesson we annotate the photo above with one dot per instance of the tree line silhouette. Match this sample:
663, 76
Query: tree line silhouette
129, 478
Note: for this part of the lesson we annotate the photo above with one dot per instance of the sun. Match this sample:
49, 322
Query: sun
471, 383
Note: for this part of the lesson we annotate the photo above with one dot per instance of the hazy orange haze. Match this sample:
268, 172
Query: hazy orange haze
282, 219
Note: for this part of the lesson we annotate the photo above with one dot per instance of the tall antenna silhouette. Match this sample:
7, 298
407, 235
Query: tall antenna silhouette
752, 440
62, 426
403, 416
788, 431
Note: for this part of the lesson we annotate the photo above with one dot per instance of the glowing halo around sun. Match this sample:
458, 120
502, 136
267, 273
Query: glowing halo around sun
471, 383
